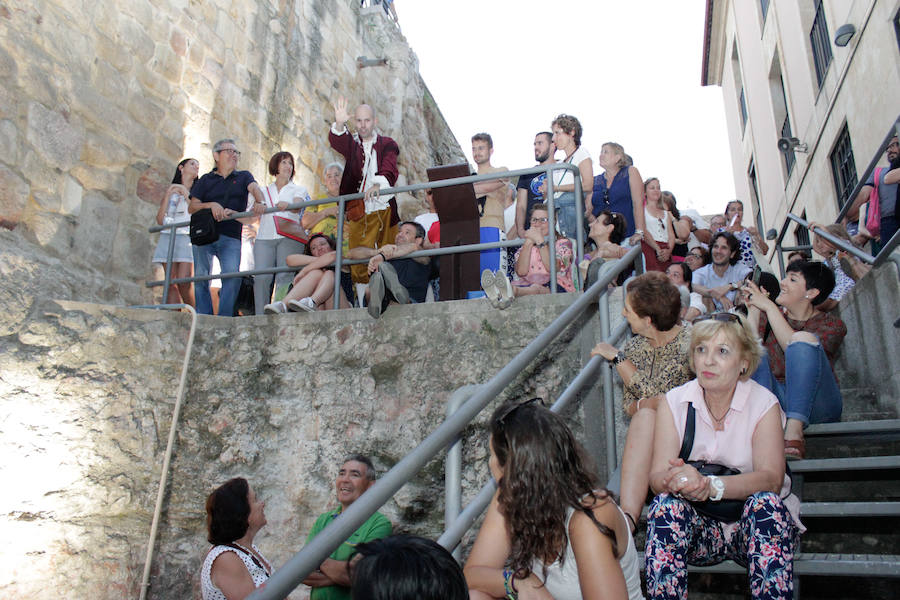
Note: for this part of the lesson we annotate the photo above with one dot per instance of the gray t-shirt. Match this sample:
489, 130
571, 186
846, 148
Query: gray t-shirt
887, 192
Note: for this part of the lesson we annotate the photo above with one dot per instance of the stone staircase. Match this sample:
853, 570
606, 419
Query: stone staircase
849, 487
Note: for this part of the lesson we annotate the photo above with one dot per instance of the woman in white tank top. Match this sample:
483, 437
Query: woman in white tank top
548, 516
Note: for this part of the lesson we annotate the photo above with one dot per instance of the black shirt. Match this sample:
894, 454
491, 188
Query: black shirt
230, 192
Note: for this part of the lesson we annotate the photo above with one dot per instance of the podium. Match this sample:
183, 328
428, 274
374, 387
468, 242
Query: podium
458, 213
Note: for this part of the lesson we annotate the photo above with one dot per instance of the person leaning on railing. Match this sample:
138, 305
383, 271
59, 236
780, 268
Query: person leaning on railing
802, 344
551, 531
173, 207
739, 506
234, 566
651, 363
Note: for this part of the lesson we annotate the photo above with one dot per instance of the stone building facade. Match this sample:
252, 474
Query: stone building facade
783, 75
101, 100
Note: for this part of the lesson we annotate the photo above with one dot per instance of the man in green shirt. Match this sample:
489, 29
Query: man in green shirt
332, 579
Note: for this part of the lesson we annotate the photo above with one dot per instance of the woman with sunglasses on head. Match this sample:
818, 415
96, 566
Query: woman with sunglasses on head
718, 470
802, 344
651, 363
233, 567
551, 532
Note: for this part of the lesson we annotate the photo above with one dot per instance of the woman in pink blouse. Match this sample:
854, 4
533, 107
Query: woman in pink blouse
724, 419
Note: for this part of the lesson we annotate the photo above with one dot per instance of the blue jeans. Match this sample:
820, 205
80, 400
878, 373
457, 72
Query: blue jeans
888, 227
810, 392
228, 249
565, 214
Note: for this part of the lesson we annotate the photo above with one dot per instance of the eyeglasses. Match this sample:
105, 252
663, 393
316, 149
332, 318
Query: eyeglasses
694, 255
515, 406
539, 219
722, 317
230, 151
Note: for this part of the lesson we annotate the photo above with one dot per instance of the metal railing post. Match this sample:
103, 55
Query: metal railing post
606, 381
168, 276
551, 214
338, 258
453, 465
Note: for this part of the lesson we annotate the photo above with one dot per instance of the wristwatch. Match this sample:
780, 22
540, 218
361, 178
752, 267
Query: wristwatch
620, 357
718, 487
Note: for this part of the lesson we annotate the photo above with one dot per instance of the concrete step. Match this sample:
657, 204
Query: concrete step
835, 565
854, 428
864, 463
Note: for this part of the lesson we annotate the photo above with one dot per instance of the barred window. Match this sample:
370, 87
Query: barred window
821, 45
843, 167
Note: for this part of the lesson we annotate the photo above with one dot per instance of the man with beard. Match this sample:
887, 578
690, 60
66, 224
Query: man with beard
720, 280
528, 191
887, 198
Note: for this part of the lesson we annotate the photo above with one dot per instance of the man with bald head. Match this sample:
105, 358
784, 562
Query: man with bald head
371, 165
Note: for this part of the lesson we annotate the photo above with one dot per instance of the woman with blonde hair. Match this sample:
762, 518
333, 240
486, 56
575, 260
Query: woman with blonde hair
719, 472
619, 189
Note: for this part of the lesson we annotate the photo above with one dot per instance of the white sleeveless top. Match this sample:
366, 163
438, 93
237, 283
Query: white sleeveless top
656, 227
562, 581
257, 574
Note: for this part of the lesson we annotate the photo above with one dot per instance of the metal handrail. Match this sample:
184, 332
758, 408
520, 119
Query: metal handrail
341, 201
292, 573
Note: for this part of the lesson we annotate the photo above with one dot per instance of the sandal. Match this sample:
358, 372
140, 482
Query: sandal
794, 449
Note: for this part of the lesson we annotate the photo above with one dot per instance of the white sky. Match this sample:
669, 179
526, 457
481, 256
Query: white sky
629, 70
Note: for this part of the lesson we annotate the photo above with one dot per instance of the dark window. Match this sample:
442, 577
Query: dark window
789, 158
821, 45
764, 5
801, 234
743, 102
843, 167
754, 190
897, 28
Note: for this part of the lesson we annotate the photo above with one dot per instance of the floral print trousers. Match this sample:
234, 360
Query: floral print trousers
764, 541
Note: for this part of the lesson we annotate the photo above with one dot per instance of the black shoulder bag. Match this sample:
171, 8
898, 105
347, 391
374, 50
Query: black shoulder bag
204, 229
727, 511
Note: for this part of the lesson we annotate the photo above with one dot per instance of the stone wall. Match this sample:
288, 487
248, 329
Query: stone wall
101, 100
86, 399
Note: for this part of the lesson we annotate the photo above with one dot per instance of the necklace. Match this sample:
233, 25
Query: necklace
718, 420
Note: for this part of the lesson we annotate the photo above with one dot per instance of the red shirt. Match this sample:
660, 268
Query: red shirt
829, 329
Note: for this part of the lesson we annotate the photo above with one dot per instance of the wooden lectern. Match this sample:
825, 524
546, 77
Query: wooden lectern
458, 213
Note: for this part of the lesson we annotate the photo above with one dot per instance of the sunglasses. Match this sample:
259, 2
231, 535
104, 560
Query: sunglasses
514, 407
723, 317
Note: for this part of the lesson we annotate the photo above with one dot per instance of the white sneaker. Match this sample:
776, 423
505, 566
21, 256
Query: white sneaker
275, 308
502, 283
302, 305
491, 290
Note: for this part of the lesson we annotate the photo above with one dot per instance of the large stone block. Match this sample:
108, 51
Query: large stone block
70, 197
102, 151
9, 142
13, 197
110, 181
152, 184
96, 229
132, 249
55, 137
112, 53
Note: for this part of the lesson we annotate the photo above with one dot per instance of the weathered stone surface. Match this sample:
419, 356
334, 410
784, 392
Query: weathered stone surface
96, 229
86, 400
58, 140
152, 185
71, 196
13, 196
9, 142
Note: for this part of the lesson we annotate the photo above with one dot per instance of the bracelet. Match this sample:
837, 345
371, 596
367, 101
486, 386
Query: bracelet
509, 585
382, 255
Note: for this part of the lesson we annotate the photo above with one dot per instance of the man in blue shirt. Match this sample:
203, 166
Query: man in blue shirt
224, 191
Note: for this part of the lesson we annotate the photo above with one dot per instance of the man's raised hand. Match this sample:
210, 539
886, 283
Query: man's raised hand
341, 115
